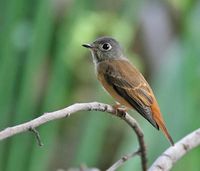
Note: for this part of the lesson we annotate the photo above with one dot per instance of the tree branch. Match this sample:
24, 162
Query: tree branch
37, 136
140, 136
95, 106
122, 160
166, 161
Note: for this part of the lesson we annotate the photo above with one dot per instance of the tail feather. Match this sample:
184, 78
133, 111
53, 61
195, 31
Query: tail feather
159, 120
164, 130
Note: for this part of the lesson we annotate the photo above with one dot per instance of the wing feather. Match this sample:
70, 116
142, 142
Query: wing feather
132, 87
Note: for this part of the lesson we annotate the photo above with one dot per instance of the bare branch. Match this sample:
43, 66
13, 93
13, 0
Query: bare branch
166, 161
37, 136
46, 117
140, 136
95, 106
122, 161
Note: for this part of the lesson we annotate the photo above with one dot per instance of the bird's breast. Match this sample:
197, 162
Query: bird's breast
109, 88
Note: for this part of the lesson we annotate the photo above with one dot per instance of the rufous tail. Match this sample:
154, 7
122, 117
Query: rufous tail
164, 129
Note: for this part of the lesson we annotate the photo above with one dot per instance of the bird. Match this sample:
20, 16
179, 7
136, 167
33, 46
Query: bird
124, 82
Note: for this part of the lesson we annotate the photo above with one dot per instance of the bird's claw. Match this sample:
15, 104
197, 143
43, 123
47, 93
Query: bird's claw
120, 110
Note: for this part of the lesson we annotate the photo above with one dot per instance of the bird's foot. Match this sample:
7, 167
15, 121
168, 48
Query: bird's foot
117, 105
120, 110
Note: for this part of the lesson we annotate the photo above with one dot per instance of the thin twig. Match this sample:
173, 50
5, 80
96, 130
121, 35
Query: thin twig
37, 136
95, 106
121, 161
140, 136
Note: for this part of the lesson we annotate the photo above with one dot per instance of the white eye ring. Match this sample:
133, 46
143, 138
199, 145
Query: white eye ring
106, 47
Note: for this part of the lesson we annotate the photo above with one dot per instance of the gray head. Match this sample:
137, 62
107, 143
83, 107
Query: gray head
105, 48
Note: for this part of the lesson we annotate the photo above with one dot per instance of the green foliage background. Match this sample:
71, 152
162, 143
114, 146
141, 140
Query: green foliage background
44, 68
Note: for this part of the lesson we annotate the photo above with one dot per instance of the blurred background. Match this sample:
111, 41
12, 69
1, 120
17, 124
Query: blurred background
44, 68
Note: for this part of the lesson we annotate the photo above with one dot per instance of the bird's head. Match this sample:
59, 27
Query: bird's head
104, 48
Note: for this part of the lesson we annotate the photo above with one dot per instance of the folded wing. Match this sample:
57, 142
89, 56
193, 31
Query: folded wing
130, 85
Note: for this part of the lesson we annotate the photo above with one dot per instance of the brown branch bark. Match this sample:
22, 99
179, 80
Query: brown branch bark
66, 112
166, 161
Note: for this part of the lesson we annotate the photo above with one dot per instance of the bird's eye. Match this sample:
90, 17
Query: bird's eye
106, 46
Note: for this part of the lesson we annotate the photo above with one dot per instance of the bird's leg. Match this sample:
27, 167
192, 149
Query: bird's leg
117, 105
120, 110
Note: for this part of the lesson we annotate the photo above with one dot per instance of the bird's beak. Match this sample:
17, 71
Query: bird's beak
89, 46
